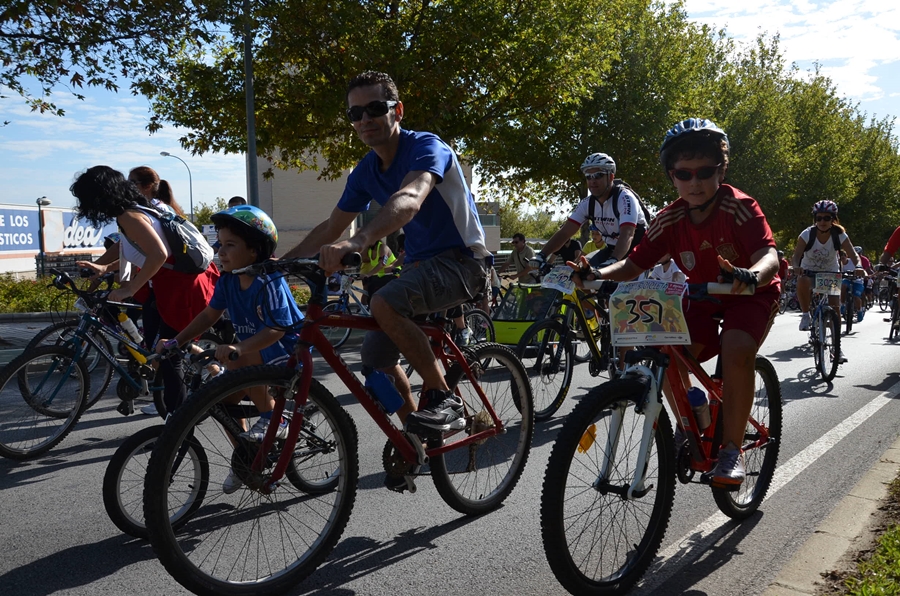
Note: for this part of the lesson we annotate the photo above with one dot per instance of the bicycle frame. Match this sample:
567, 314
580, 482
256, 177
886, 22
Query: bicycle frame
573, 308
310, 335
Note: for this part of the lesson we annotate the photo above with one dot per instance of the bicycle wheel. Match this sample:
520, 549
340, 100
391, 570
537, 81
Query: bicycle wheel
123, 482
247, 541
849, 313
596, 540
316, 467
476, 479
829, 345
481, 326
42, 396
100, 368
895, 320
548, 359
337, 336
759, 463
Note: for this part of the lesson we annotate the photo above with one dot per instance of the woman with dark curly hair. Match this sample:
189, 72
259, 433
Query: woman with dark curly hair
104, 194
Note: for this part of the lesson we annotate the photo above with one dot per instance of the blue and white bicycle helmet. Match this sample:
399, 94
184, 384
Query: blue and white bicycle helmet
252, 219
601, 161
825, 206
690, 127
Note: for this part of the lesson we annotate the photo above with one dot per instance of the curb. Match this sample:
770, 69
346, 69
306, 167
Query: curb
839, 533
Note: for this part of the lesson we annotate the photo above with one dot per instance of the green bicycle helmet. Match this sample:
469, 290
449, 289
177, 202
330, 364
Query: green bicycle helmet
253, 219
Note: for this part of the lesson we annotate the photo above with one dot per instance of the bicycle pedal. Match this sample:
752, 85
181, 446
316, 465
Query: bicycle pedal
125, 408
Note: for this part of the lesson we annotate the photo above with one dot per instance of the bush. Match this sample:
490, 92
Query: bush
28, 295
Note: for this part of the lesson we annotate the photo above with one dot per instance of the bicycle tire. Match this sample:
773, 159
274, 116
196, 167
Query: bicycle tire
477, 479
123, 482
829, 347
578, 519
895, 320
759, 463
247, 512
100, 369
782, 303
314, 469
337, 336
480, 324
849, 314
30, 425
548, 359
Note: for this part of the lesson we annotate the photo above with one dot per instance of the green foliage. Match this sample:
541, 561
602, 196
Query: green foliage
300, 293
203, 213
30, 295
539, 224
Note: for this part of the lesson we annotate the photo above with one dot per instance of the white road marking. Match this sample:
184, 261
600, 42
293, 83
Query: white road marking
710, 530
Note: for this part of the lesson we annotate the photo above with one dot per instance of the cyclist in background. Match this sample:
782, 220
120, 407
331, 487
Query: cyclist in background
817, 250
784, 267
714, 231
520, 258
856, 286
619, 232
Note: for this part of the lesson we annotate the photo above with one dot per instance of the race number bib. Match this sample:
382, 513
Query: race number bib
828, 283
648, 313
559, 278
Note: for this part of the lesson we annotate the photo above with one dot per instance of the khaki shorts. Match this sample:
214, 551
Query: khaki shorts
424, 287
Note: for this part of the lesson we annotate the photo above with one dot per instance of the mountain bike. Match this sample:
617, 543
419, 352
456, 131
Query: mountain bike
825, 324
285, 529
547, 348
609, 487
349, 301
848, 304
44, 391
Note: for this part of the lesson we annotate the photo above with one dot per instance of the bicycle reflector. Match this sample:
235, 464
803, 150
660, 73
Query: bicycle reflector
587, 439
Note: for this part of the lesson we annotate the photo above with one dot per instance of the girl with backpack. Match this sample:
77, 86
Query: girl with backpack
104, 194
817, 250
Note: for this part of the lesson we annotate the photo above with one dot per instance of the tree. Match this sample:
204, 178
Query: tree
90, 43
203, 213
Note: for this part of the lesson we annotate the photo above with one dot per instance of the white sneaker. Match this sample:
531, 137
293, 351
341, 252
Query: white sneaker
258, 432
232, 483
150, 410
465, 337
804, 322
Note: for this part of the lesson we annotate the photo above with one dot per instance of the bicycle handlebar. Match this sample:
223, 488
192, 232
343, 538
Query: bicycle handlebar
298, 266
607, 287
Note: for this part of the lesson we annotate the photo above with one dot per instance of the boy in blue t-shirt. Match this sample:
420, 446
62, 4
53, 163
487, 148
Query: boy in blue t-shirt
258, 306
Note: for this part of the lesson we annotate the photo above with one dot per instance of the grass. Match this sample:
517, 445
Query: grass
874, 572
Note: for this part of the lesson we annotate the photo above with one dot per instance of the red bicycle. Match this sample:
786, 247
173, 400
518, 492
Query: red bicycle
610, 482
296, 494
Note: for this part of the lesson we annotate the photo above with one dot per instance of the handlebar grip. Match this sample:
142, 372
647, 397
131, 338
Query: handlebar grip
725, 288
233, 356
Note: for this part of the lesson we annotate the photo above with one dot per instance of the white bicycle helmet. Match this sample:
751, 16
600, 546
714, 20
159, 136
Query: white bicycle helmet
599, 160
825, 206
858, 249
690, 127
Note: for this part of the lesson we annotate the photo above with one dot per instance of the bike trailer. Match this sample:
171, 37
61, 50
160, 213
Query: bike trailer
521, 306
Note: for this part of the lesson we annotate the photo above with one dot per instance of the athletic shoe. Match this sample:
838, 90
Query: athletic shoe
465, 337
860, 315
804, 322
258, 432
232, 483
150, 410
442, 412
729, 470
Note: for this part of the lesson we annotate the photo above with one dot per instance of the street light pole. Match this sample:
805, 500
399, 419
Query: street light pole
41, 202
190, 180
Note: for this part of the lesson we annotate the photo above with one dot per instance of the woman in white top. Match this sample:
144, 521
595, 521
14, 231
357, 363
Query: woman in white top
667, 270
816, 251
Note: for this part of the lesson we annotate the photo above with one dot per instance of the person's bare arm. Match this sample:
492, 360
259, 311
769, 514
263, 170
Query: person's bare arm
623, 244
139, 230
797, 257
394, 214
568, 229
325, 233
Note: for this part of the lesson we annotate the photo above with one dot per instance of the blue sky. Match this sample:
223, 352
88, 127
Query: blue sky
857, 42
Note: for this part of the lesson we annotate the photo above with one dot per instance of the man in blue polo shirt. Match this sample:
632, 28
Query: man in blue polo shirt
418, 181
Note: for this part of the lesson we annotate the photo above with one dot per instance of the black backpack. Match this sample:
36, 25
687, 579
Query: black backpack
191, 252
618, 186
835, 238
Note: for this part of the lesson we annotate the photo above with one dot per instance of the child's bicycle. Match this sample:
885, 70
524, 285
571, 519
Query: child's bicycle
548, 348
297, 495
44, 391
609, 487
123, 482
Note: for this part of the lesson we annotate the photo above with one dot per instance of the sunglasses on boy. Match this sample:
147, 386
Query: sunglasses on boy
374, 109
704, 173
824, 218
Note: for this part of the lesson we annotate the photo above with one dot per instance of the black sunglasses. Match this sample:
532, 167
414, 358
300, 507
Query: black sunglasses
595, 175
374, 109
824, 218
704, 173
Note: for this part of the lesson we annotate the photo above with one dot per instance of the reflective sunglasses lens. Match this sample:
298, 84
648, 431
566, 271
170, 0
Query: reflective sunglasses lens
594, 176
683, 175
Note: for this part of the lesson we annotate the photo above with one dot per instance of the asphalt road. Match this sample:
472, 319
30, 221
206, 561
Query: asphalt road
55, 537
